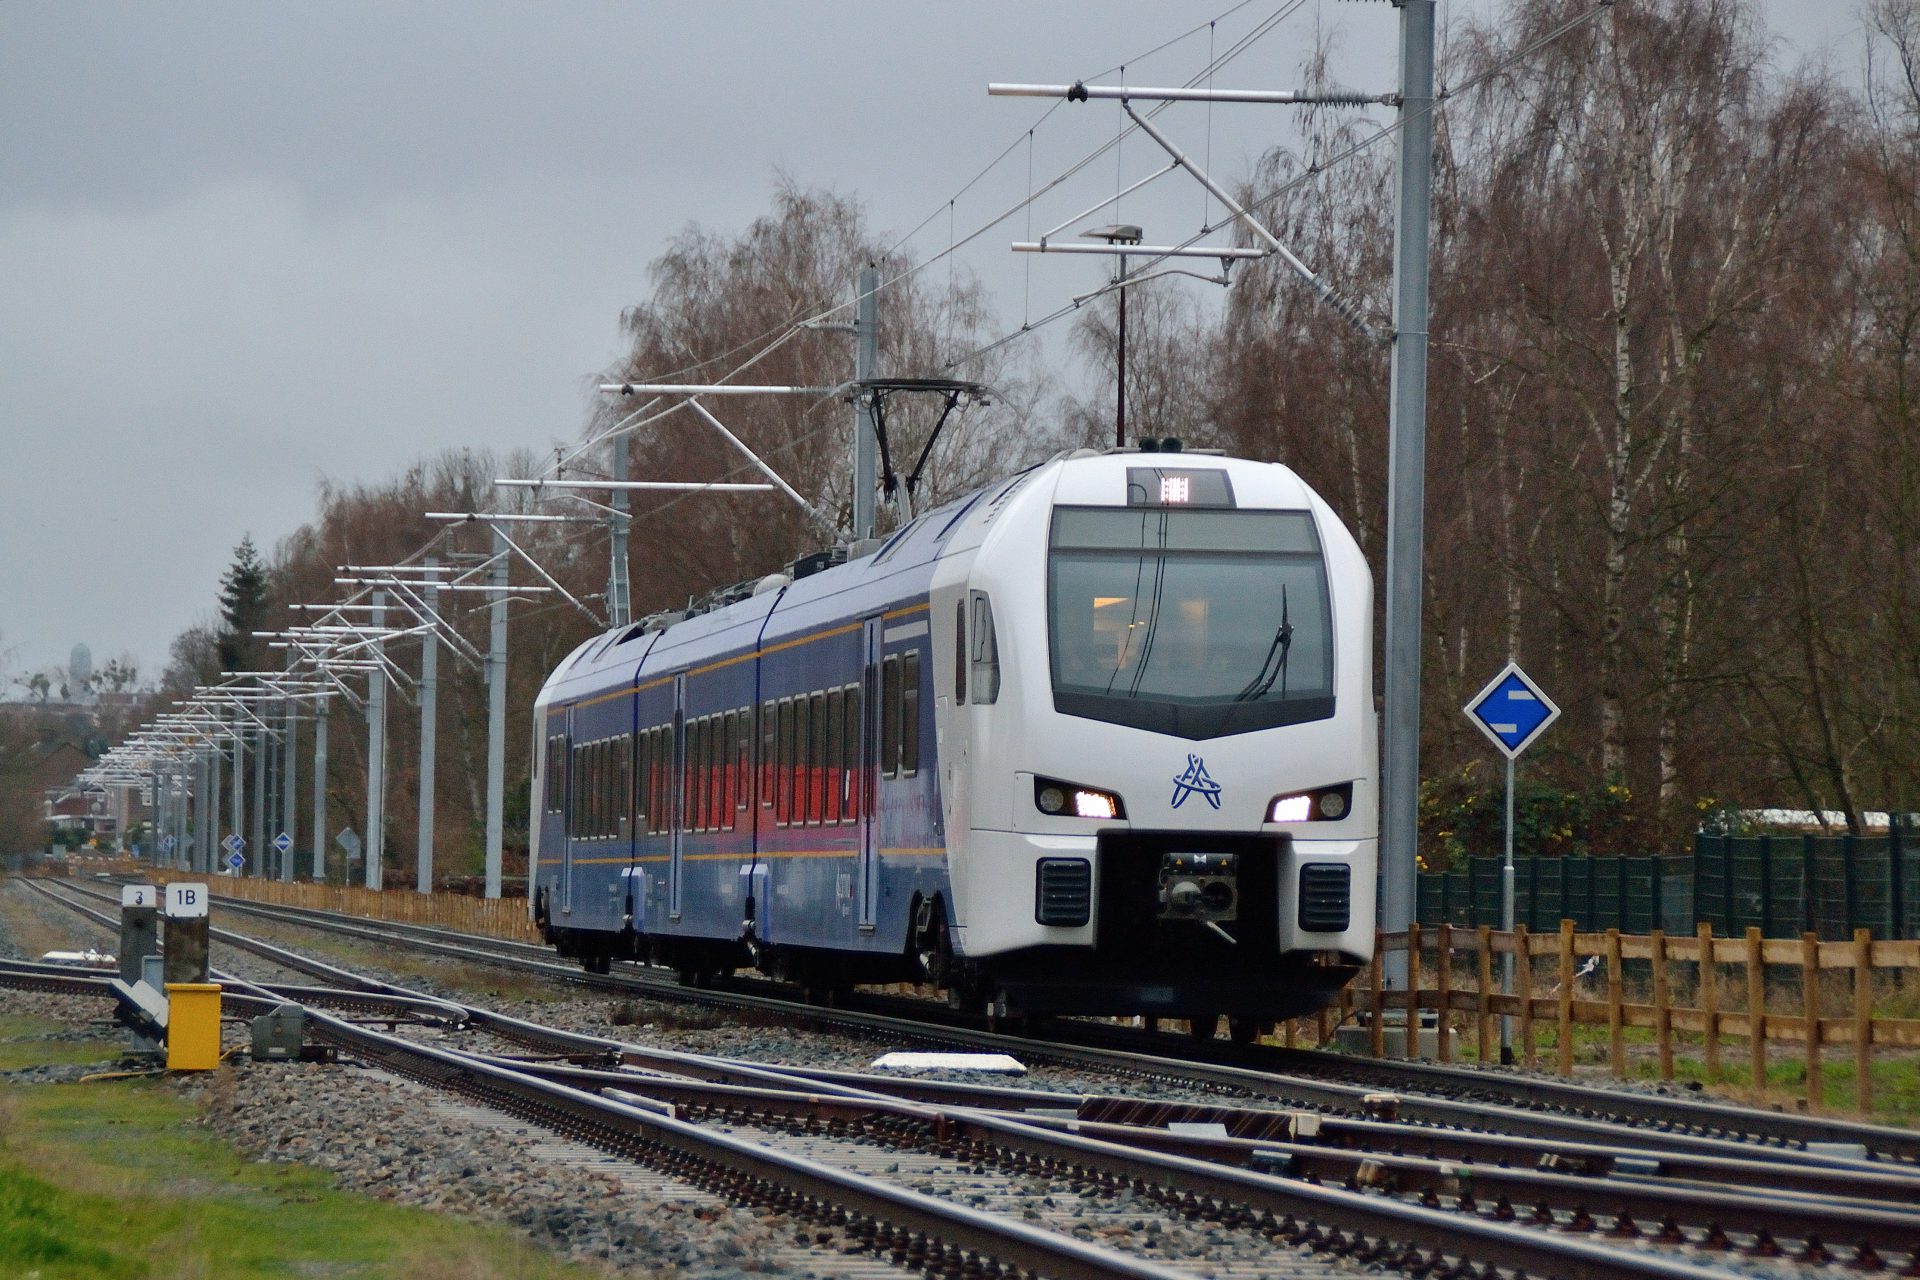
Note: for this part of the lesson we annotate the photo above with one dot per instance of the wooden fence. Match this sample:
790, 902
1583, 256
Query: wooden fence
1458, 976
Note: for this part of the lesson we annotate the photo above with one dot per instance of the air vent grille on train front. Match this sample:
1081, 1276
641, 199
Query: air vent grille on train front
1326, 897
1063, 894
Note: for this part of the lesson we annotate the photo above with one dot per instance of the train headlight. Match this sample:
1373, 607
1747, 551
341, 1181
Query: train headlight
1070, 800
1328, 804
1096, 804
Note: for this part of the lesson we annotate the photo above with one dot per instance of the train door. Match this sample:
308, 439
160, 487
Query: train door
568, 798
678, 790
869, 782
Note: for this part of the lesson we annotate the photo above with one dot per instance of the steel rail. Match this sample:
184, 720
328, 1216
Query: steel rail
1107, 1049
1877, 1226
1178, 1174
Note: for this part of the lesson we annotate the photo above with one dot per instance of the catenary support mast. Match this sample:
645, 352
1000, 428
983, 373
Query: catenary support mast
1406, 483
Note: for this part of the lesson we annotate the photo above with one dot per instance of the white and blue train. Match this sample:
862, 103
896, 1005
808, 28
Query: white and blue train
1096, 739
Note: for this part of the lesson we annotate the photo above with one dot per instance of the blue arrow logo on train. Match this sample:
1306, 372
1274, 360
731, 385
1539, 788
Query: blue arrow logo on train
1195, 782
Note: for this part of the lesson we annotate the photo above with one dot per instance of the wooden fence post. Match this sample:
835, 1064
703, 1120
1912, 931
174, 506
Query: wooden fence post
1565, 1046
1810, 1016
1616, 1013
1756, 1012
1376, 1033
1707, 992
1523, 987
1411, 1046
1662, 1004
1863, 1019
1484, 937
1443, 985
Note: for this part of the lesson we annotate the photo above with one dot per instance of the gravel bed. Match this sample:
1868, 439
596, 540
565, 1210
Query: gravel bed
412, 1145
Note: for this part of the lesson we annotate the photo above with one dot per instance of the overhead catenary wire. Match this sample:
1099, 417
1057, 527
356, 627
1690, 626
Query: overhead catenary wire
1440, 102
780, 334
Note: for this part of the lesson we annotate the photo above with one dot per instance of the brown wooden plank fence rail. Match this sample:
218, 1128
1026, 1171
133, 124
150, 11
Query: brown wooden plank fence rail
1781, 978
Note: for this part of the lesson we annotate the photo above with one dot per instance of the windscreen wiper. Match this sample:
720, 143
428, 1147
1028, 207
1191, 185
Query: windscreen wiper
1270, 669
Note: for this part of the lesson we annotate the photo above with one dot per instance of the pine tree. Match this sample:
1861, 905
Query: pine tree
243, 607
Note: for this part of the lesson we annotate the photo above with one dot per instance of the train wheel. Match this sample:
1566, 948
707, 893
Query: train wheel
1246, 1030
1202, 1028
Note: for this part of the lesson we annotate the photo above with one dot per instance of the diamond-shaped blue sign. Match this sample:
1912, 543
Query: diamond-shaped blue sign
1512, 711
236, 860
283, 842
234, 843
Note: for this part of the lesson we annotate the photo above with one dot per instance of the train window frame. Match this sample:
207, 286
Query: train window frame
856, 736
910, 713
783, 764
985, 656
817, 757
729, 780
890, 715
769, 724
645, 818
555, 796
717, 806
834, 763
743, 764
663, 777
960, 655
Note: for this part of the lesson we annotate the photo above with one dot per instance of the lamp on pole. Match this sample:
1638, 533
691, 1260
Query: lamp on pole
1124, 233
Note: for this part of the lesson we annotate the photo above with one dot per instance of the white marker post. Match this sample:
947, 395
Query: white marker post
1513, 712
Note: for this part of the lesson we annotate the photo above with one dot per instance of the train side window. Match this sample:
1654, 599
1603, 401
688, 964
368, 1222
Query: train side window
695, 782
802, 760
623, 784
600, 805
817, 759
835, 761
890, 716
856, 759
596, 799
703, 761
662, 778
642, 774
986, 652
783, 765
717, 805
556, 772
960, 652
643, 783
729, 775
768, 722
602, 761
709, 762
910, 713
590, 818
586, 792
743, 764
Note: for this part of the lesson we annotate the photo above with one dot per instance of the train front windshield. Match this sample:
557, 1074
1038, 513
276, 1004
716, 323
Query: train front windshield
1200, 623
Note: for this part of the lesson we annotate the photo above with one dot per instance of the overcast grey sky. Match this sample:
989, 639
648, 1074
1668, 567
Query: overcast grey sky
248, 246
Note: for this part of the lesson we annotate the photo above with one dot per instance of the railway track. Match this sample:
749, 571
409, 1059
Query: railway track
1294, 1178
1422, 1093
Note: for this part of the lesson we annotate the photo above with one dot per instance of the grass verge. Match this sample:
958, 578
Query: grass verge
111, 1181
